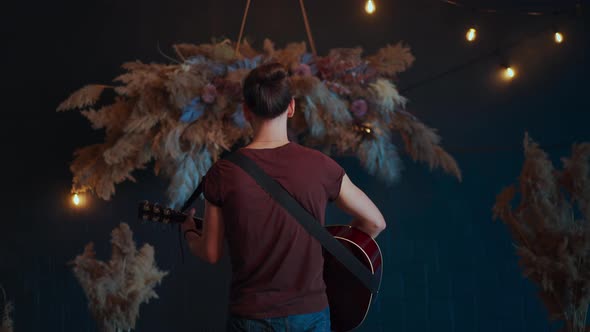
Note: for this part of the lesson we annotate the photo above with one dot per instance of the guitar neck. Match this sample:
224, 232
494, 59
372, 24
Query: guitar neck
156, 213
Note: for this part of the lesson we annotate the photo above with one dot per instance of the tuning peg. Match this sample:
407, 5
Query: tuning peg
157, 208
146, 205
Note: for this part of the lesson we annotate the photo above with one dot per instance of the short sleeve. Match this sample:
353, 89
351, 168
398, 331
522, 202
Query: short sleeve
335, 174
213, 186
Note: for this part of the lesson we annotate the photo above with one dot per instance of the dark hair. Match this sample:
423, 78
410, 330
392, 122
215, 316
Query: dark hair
267, 91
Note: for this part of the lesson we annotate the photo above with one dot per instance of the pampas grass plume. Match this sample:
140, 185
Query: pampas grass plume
116, 289
552, 243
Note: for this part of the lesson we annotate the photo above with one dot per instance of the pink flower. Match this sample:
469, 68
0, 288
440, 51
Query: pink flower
209, 93
302, 70
359, 108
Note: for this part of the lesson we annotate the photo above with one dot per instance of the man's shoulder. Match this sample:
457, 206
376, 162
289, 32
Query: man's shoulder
221, 166
310, 152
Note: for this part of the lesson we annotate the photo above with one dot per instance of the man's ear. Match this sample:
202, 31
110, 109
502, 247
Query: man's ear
291, 110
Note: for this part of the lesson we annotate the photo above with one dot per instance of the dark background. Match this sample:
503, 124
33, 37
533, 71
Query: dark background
448, 266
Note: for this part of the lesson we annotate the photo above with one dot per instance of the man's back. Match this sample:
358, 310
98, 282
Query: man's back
277, 266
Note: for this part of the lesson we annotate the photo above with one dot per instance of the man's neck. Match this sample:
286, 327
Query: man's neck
270, 134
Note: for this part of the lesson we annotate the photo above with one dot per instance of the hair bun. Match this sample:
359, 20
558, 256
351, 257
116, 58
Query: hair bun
276, 73
267, 90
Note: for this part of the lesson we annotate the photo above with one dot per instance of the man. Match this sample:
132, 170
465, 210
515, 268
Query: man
277, 266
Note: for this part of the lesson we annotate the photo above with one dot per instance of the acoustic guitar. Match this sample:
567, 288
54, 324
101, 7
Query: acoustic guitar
349, 299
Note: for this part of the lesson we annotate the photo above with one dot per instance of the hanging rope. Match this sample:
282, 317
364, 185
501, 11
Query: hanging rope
242, 27
305, 20
308, 29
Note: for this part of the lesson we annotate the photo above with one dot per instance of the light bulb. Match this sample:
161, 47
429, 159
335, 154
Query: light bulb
509, 73
76, 199
370, 7
558, 37
471, 34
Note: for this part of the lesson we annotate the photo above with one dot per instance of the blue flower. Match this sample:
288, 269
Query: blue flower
218, 69
192, 111
308, 59
239, 118
197, 60
245, 63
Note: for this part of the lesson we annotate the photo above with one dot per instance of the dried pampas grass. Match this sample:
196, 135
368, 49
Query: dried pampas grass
116, 289
392, 60
552, 238
6, 323
86, 96
423, 143
380, 157
184, 115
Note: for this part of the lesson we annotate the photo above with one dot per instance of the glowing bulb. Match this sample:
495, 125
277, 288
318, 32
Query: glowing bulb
368, 130
558, 37
76, 199
509, 73
471, 34
370, 7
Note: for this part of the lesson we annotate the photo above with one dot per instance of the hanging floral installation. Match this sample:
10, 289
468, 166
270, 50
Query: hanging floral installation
115, 289
551, 228
6, 323
184, 115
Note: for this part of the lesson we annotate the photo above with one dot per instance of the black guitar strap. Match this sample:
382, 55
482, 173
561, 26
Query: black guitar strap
189, 202
309, 223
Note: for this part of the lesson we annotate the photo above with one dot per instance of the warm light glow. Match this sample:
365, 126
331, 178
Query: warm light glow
368, 130
558, 37
370, 7
76, 199
471, 34
509, 73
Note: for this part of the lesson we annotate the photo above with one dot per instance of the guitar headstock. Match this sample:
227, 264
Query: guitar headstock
155, 212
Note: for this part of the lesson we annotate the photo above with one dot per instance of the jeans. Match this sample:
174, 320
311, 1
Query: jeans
312, 322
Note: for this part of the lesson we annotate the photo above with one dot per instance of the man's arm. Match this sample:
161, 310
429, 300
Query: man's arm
353, 201
209, 245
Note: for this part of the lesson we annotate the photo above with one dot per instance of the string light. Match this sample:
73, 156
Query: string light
471, 34
370, 7
558, 37
76, 200
509, 73
506, 73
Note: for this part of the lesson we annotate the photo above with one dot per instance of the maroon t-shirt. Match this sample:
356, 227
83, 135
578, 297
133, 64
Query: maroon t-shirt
277, 266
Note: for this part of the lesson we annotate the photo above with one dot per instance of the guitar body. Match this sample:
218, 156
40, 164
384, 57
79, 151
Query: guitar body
349, 299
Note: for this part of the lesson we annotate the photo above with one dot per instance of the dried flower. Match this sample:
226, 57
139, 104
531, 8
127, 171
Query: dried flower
185, 115
209, 93
86, 96
553, 245
359, 108
116, 289
6, 308
302, 70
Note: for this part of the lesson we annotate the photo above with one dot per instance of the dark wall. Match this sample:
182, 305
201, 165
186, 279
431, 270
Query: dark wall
448, 267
